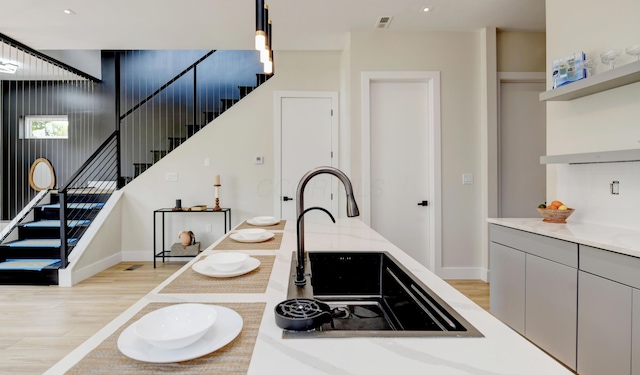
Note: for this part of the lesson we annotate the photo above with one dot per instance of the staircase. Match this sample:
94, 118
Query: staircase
191, 129
34, 257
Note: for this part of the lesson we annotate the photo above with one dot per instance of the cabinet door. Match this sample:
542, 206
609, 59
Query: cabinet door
507, 285
604, 326
551, 307
635, 334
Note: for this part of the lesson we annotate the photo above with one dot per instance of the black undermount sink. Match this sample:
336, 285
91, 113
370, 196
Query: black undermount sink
368, 294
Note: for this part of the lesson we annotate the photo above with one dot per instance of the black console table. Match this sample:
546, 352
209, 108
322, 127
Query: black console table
163, 253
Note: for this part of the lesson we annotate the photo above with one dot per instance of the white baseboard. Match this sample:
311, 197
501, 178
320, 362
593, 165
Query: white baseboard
461, 273
69, 276
485, 274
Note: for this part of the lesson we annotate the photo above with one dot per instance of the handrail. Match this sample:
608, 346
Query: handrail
107, 157
89, 161
49, 59
143, 101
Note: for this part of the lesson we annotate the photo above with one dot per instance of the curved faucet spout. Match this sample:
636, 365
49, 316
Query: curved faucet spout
300, 280
352, 210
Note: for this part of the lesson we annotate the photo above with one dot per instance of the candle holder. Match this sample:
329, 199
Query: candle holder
217, 206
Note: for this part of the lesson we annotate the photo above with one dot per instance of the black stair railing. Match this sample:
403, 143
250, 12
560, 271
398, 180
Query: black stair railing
86, 191
156, 118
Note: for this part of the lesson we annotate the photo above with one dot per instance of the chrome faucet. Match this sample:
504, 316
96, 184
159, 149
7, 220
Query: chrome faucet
352, 210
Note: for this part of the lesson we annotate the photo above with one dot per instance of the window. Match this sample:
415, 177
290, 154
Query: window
46, 127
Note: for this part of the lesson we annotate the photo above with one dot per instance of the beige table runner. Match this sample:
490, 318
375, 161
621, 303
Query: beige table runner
255, 281
234, 358
279, 226
230, 244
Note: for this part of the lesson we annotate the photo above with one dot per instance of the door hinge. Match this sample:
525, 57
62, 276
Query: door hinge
331, 154
331, 196
332, 112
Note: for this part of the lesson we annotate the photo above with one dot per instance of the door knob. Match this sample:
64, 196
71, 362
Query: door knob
423, 203
285, 198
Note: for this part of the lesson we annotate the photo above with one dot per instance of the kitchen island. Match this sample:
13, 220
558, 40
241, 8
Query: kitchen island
500, 351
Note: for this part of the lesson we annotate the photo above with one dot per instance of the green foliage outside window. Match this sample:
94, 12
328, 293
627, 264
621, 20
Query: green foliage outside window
43, 127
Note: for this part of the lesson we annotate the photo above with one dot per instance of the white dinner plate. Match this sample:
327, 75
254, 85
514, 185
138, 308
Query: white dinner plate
265, 224
240, 238
204, 268
226, 328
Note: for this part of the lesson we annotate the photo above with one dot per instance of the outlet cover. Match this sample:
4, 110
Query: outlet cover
259, 160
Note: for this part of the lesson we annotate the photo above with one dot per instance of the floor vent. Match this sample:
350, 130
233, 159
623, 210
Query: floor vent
135, 266
383, 22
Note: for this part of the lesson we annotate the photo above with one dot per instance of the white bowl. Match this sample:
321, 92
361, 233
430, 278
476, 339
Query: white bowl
176, 326
251, 234
264, 219
227, 261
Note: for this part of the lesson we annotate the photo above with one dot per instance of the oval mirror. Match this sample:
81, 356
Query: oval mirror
41, 175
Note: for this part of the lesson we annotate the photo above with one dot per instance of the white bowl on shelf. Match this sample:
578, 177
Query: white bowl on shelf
251, 234
227, 261
176, 326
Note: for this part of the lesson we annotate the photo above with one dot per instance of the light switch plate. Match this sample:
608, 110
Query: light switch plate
259, 160
171, 176
467, 178
207, 162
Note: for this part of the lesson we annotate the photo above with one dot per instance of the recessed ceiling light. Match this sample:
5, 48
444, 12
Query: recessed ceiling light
69, 11
426, 9
8, 68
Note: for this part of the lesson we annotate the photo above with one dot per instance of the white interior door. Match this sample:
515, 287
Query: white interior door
307, 132
522, 140
400, 165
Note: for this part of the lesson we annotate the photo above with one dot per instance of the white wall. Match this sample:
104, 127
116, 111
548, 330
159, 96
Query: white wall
457, 56
231, 142
599, 122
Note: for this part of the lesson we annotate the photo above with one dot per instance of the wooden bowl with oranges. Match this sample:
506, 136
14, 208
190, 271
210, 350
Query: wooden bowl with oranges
556, 212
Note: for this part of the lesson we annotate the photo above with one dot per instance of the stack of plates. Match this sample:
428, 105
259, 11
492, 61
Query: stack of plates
226, 328
252, 235
263, 221
207, 268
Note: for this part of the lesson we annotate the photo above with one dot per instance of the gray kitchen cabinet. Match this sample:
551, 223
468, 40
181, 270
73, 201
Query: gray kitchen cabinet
534, 288
635, 334
608, 313
551, 307
507, 286
604, 326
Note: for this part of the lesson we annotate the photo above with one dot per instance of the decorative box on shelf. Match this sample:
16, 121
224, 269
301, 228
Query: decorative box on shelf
190, 250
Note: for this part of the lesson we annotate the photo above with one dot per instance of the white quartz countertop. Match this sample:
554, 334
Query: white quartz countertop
619, 240
500, 351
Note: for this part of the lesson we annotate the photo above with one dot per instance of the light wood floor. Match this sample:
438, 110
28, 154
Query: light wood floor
39, 325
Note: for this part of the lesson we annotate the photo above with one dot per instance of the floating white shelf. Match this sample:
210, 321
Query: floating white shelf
607, 80
619, 156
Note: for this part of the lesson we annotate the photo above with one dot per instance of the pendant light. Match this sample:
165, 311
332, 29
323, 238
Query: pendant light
261, 36
268, 64
264, 54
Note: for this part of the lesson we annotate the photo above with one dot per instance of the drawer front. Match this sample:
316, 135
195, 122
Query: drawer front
560, 251
621, 268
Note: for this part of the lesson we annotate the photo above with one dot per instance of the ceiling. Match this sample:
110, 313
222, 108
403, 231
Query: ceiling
230, 24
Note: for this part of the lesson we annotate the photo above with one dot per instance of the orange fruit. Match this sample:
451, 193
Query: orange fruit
552, 208
556, 204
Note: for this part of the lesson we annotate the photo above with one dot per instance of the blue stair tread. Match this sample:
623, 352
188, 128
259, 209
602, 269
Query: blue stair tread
40, 242
27, 264
73, 206
56, 223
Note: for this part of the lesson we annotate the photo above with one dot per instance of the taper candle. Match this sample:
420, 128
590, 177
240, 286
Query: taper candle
216, 180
